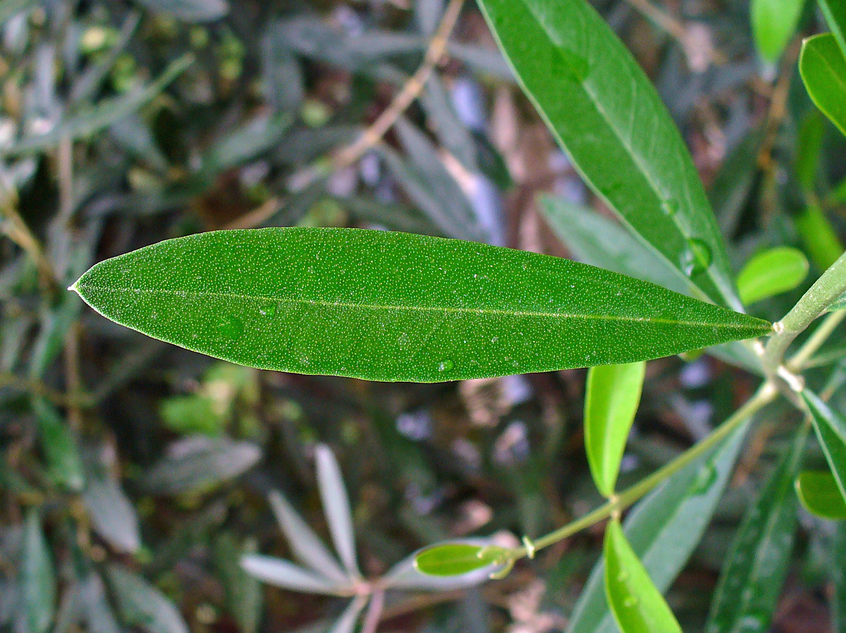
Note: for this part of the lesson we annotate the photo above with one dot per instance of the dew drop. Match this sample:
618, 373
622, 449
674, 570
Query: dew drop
669, 206
696, 257
630, 601
231, 327
445, 365
268, 311
706, 477
623, 576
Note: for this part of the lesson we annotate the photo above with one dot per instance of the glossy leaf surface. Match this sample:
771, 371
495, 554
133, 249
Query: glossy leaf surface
819, 494
770, 273
394, 306
773, 24
757, 563
636, 603
823, 68
613, 395
606, 114
830, 427
663, 530
454, 559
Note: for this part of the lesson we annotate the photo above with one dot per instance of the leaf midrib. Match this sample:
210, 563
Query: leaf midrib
410, 308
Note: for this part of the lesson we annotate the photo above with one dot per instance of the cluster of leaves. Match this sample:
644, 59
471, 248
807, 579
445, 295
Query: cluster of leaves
140, 479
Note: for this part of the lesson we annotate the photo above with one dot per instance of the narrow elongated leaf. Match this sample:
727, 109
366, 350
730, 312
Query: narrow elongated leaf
607, 115
112, 513
636, 603
305, 544
751, 580
393, 306
822, 65
38, 577
663, 530
244, 593
819, 493
287, 575
142, 605
613, 395
59, 445
830, 427
835, 15
347, 620
455, 559
336, 506
771, 272
773, 24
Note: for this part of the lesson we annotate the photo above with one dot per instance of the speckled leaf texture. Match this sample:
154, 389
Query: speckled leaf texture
394, 306
606, 114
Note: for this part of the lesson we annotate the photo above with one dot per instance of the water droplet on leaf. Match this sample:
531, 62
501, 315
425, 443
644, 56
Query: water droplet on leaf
630, 601
445, 365
268, 311
697, 257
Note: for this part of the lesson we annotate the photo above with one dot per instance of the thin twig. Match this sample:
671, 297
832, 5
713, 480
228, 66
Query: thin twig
349, 154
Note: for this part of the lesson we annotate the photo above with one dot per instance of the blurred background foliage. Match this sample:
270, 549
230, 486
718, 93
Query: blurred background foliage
134, 475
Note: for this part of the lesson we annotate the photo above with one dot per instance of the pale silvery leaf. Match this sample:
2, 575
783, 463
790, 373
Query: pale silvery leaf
285, 574
336, 506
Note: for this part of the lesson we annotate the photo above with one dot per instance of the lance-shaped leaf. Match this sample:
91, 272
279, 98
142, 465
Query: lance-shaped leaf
285, 574
751, 580
819, 494
771, 272
830, 427
394, 306
59, 444
336, 507
773, 24
607, 115
613, 395
637, 604
835, 15
663, 530
305, 544
822, 65
142, 605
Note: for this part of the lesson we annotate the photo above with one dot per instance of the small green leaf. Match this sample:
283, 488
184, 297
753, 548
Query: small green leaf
830, 427
606, 114
751, 580
819, 493
636, 603
835, 15
773, 24
141, 604
822, 65
454, 559
819, 237
771, 272
393, 306
613, 395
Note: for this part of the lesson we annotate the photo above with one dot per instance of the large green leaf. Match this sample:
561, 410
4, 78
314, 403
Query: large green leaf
395, 306
835, 15
613, 395
663, 530
637, 604
773, 23
757, 563
607, 115
830, 427
823, 68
